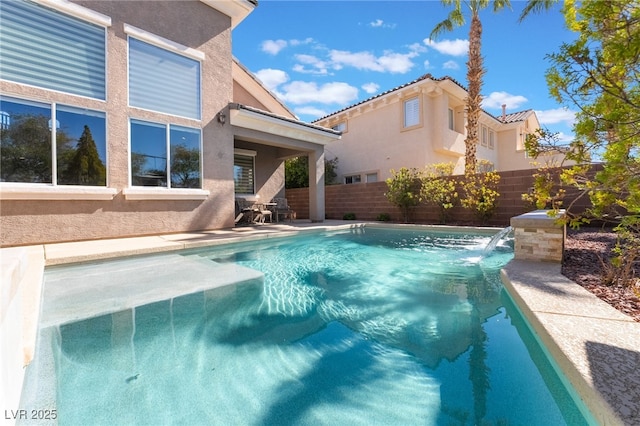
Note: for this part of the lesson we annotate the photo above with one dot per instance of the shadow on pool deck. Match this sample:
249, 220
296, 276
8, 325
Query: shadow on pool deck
596, 346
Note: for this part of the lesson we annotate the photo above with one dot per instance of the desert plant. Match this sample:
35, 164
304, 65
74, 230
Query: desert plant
438, 189
403, 190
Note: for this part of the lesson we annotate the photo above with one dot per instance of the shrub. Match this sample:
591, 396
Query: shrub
403, 190
383, 217
349, 216
439, 189
480, 194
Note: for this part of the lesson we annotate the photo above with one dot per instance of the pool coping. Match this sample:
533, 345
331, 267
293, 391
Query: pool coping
582, 333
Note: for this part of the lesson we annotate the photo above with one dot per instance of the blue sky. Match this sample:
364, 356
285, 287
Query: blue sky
321, 56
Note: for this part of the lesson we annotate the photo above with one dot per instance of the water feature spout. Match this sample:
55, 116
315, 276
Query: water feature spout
496, 239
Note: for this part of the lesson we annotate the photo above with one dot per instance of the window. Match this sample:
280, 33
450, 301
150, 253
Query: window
244, 171
411, 112
492, 139
484, 136
163, 81
44, 48
372, 177
161, 150
50, 143
451, 123
340, 127
352, 179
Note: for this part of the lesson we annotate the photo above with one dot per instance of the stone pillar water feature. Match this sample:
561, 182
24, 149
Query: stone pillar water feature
538, 236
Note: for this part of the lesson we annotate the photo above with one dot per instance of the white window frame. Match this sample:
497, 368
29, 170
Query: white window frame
68, 82
492, 138
169, 47
484, 135
411, 112
451, 117
53, 191
162, 192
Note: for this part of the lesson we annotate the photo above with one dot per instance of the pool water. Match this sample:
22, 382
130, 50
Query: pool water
370, 326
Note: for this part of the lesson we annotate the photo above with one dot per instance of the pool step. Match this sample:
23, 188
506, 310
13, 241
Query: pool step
73, 293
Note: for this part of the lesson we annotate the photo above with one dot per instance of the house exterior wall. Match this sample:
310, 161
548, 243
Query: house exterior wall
189, 23
375, 140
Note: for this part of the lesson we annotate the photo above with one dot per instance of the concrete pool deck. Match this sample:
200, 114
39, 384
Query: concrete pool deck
596, 346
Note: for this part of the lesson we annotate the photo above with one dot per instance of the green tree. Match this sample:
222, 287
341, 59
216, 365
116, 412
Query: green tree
296, 172
25, 150
438, 189
403, 190
599, 73
185, 167
475, 66
84, 166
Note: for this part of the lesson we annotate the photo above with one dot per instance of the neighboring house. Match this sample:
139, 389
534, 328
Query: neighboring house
123, 118
421, 123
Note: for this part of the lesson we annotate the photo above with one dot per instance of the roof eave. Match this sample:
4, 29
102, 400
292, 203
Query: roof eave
237, 10
254, 119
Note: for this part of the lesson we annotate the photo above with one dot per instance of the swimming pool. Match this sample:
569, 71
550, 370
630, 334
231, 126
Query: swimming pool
368, 326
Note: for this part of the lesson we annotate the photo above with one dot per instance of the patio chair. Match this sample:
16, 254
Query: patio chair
246, 212
282, 209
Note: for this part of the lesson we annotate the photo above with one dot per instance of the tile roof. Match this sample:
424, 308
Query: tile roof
427, 76
515, 116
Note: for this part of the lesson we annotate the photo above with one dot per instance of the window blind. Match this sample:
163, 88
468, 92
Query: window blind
243, 174
411, 112
163, 81
45, 48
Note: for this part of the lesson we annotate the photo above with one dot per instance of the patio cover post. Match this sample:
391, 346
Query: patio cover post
316, 185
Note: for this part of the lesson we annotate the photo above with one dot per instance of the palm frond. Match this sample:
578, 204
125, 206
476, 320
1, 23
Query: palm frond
536, 6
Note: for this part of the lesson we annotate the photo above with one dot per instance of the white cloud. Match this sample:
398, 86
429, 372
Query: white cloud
370, 88
455, 47
389, 62
497, 99
557, 115
311, 111
318, 66
563, 137
301, 92
379, 23
417, 48
273, 47
427, 65
272, 78
296, 42
450, 65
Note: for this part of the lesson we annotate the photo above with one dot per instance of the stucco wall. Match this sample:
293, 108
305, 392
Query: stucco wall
192, 24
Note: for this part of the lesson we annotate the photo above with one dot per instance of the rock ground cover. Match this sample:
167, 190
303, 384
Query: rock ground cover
585, 251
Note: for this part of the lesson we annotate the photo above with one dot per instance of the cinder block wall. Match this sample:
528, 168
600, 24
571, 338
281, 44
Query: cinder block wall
367, 201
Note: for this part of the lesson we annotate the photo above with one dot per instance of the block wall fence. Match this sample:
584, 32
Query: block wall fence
367, 201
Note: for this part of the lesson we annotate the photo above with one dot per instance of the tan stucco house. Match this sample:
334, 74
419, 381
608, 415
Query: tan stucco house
421, 123
123, 118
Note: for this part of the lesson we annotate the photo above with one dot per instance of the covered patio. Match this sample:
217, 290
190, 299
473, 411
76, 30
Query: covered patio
263, 141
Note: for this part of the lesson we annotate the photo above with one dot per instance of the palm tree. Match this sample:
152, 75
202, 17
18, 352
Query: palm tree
475, 68
536, 6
